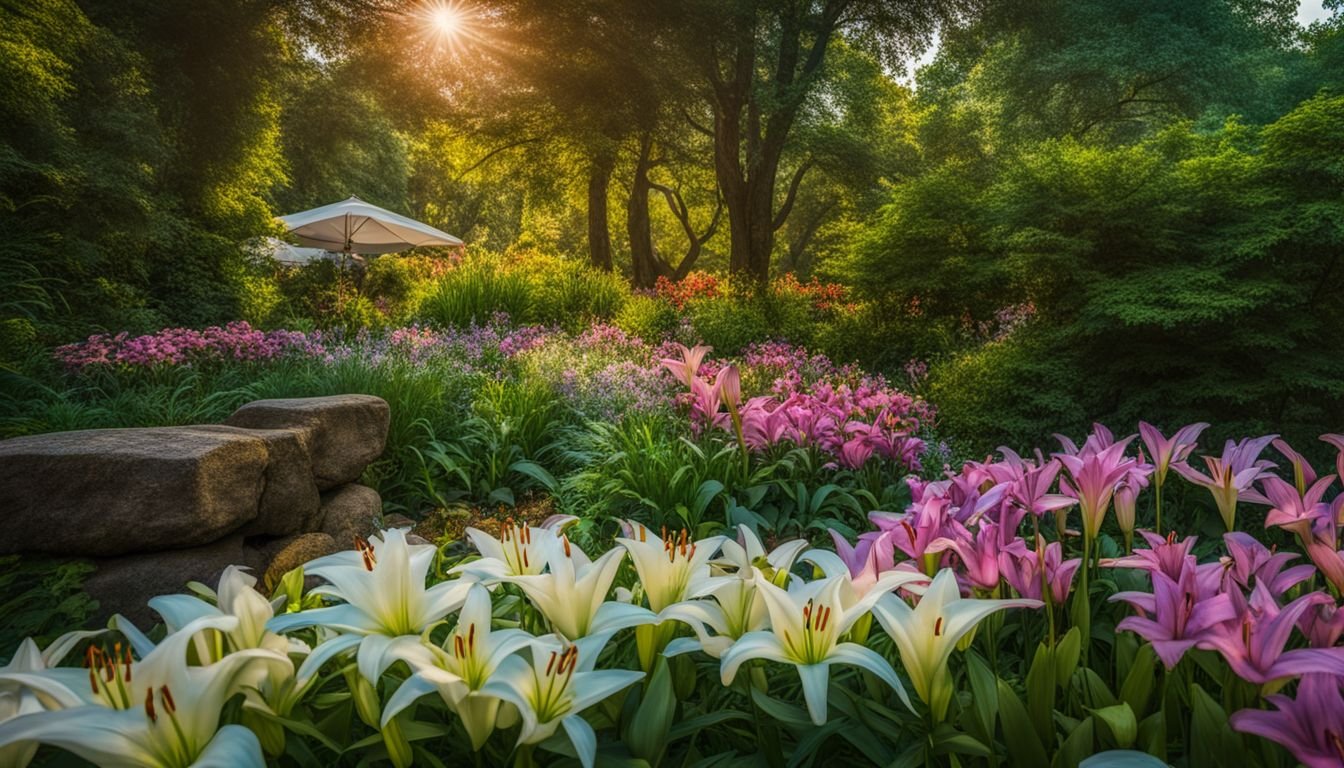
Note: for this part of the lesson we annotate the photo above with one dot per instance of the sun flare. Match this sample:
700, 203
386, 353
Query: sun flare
445, 22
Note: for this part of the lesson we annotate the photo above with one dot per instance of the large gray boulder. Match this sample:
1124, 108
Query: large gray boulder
290, 502
115, 491
125, 584
344, 432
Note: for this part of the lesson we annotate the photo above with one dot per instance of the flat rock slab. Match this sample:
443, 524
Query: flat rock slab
111, 492
345, 432
290, 502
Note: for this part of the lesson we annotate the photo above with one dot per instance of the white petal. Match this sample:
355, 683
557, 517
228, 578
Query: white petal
859, 656
596, 686
233, 747
616, 616
416, 687
753, 645
180, 610
321, 655
105, 737
816, 679
582, 737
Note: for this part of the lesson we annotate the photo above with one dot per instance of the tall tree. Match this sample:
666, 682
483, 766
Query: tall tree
760, 62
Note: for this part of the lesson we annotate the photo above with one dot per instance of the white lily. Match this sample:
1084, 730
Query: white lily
667, 567
927, 634
573, 595
156, 712
473, 652
807, 622
16, 699
747, 551
386, 604
733, 608
554, 686
729, 606
520, 550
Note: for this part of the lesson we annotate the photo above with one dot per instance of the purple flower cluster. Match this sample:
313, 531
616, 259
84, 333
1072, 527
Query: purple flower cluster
237, 342
619, 389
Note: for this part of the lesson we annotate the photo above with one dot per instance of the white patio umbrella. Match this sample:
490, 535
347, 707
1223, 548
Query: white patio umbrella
354, 226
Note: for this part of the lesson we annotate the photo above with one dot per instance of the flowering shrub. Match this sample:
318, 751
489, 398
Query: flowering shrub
238, 342
824, 297
696, 285
851, 423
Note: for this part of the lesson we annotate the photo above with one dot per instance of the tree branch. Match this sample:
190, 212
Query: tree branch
792, 194
493, 152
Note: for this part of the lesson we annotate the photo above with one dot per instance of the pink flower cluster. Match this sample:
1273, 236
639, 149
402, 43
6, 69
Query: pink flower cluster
237, 341
1255, 606
851, 424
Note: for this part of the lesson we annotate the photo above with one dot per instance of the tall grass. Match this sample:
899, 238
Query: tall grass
529, 288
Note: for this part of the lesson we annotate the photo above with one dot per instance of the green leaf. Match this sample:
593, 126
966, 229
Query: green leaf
984, 692
1216, 744
1041, 693
647, 735
1078, 745
1024, 746
1138, 686
1067, 651
1120, 719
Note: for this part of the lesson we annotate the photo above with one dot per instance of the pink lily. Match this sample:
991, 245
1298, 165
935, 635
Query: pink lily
1303, 474
1294, 509
1310, 726
1338, 442
1232, 476
1167, 451
689, 364
1093, 477
1021, 568
1169, 556
978, 552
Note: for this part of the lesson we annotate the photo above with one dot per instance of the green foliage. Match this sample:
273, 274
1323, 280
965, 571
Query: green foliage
478, 289
43, 599
647, 317
501, 450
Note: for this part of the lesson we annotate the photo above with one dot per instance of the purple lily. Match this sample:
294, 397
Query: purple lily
1322, 625
1175, 616
1249, 563
1232, 476
1254, 648
1310, 726
1294, 509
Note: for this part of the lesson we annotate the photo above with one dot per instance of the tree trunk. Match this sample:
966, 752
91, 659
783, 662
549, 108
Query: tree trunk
599, 234
642, 257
